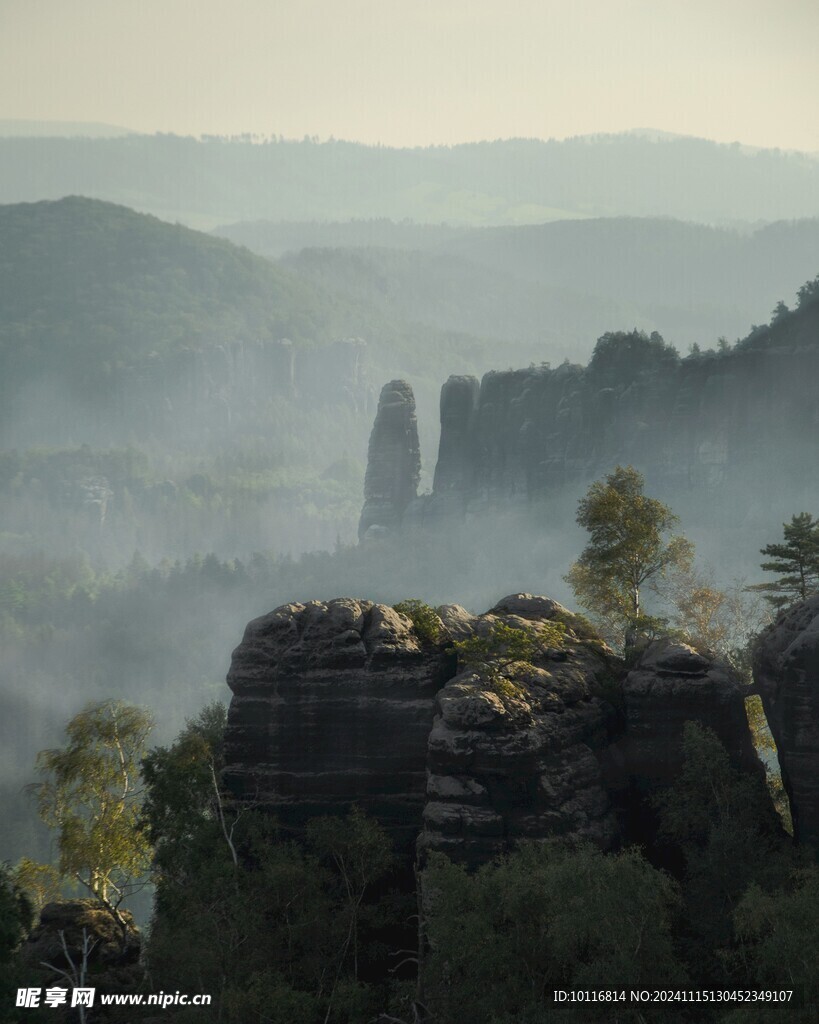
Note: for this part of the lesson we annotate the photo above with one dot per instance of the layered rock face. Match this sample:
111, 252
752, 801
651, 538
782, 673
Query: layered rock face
686, 424
393, 461
786, 675
518, 756
671, 684
459, 400
343, 701
333, 703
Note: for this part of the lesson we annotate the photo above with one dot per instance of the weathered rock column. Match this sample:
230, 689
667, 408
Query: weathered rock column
671, 684
453, 471
393, 460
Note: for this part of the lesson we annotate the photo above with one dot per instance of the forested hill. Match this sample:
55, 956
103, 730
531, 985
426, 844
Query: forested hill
564, 283
117, 326
207, 182
84, 281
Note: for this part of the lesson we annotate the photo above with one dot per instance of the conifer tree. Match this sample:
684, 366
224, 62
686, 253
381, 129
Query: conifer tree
796, 559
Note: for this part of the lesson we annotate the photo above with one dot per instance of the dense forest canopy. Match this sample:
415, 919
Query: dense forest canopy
86, 282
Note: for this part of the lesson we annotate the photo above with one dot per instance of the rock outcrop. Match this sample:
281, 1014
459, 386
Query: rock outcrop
786, 675
333, 702
345, 701
459, 400
393, 461
518, 756
686, 423
68, 920
717, 421
670, 684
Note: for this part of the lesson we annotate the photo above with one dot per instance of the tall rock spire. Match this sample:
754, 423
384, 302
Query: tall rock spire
393, 460
459, 401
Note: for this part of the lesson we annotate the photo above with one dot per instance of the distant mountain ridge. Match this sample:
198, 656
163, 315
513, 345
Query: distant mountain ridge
211, 181
113, 284
18, 128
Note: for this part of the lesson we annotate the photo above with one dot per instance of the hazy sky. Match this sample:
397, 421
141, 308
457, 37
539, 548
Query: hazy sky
418, 71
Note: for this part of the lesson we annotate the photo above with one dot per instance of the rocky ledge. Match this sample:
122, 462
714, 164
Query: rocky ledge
671, 684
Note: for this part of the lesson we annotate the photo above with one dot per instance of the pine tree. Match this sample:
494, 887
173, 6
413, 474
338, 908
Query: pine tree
796, 560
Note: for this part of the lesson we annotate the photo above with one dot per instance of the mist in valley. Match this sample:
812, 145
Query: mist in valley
185, 468
312, 301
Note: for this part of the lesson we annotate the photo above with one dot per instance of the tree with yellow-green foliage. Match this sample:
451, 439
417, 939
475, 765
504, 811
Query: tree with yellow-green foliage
91, 795
630, 547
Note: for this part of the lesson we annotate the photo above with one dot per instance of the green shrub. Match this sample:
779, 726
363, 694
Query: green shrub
505, 645
425, 621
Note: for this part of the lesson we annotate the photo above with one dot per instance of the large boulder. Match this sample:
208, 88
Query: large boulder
786, 675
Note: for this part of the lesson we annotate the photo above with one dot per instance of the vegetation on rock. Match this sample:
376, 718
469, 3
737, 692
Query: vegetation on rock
628, 548
425, 620
504, 645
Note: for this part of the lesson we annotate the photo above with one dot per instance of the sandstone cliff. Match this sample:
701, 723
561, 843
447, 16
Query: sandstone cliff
345, 702
719, 422
333, 703
713, 421
518, 756
671, 684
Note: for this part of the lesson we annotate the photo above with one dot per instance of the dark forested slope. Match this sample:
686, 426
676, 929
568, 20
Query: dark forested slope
82, 280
